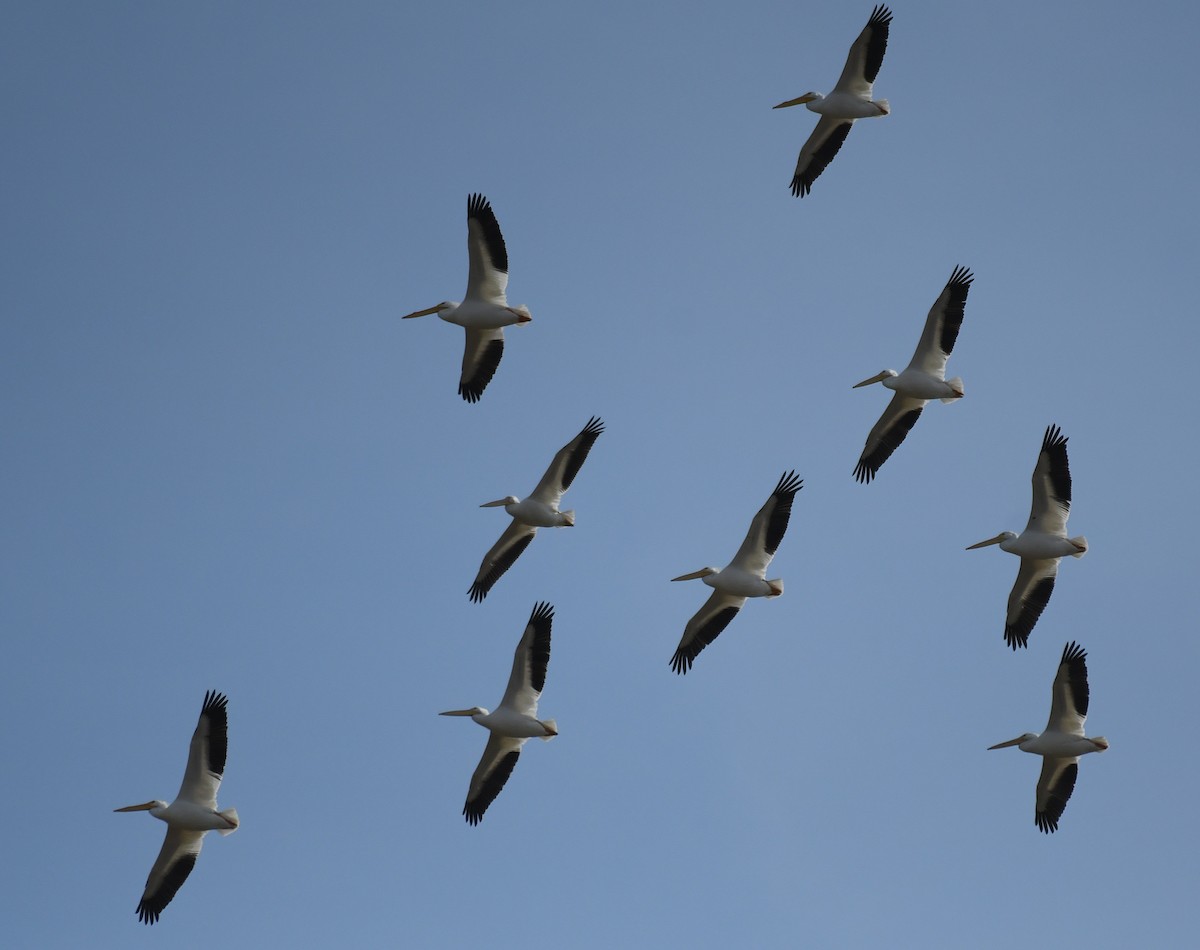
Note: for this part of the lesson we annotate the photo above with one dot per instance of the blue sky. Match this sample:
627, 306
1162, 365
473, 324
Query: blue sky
229, 465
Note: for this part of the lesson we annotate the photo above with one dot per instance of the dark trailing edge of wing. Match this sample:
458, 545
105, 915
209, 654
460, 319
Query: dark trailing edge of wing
587, 438
480, 209
868, 466
215, 708
1017, 634
492, 785
1060, 794
542, 619
480, 589
880, 24
802, 181
1075, 658
784, 495
471, 389
1054, 444
682, 661
150, 907
959, 285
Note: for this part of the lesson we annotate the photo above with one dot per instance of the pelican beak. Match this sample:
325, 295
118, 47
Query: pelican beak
703, 572
1004, 745
458, 712
498, 503
983, 544
799, 101
422, 313
145, 806
867, 382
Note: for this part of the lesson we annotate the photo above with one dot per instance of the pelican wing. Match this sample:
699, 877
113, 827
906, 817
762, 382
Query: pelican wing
567, 462
480, 359
488, 275
530, 660
1054, 788
886, 435
499, 758
1069, 695
206, 756
172, 867
942, 325
768, 527
818, 151
866, 55
1030, 594
500, 558
705, 627
1051, 485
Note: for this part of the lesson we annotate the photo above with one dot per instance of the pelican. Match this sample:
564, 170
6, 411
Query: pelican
485, 311
922, 380
850, 100
515, 720
539, 510
1063, 742
1043, 542
192, 814
743, 577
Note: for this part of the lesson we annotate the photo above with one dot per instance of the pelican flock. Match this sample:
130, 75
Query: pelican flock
515, 719
741, 578
194, 812
484, 311
850, 101
1063, 741
922, 380
1044, 541
539, 510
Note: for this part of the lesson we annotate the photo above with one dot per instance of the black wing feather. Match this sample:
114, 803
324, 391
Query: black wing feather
959, 285
480, 589
1047, 819
587, 438
471, 389
149, 908
1054, 444
869, 465
784, 495
1075, 658
480, 210
541, 619
802, 181
682, 661
1017, 634
492, 785
880, 25
216, 709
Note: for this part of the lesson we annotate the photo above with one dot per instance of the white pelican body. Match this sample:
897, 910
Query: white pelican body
1043, 542
1063, 742
850, 100
923, 379
484, 311
192, 814
539, 510
743, 577
515, 720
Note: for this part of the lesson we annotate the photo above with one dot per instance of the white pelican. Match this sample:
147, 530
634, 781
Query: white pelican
922, 380
850, 100
192, 814
743, 577
539, 510
484, 312
1063, 742
1043, 542
515, 720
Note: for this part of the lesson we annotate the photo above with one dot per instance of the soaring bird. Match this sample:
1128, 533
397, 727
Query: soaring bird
192, 814
1063, 742
743, 577
484, 311
539, 510
1043, 542
922, 380
849, 101
515, 719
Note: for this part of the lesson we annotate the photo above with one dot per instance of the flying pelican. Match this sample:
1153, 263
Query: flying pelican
539, 510
1063, 742
743, 577
923, 379
485, 310
1043, 542
192, 814
850, 100
515, 720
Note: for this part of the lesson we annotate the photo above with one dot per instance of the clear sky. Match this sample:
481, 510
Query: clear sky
229, 465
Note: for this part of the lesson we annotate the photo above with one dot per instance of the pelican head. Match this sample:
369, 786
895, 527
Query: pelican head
1024, 737
501, 502
877, 378
442, 309
703, 572
473, 711
998, 539
144, 806
800, 100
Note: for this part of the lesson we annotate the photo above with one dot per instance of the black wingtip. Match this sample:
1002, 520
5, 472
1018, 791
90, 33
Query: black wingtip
477, 593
